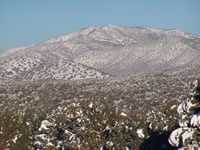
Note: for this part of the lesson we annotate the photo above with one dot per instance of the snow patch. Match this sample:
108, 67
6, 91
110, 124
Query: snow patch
195, 121
123, 114
44, 125
174, 106
174, 137
140, 133
91, 105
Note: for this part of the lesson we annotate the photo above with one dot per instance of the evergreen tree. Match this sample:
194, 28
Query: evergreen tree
187, 136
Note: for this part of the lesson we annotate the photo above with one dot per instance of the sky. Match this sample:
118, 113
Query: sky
25, 22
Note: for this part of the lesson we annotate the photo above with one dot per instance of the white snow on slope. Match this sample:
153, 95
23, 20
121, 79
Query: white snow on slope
35, 68
118, 51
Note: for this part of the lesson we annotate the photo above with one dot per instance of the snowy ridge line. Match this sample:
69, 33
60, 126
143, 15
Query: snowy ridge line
117, 51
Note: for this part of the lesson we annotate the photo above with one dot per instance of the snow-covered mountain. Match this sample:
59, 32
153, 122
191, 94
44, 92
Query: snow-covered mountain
137, 111
118, 51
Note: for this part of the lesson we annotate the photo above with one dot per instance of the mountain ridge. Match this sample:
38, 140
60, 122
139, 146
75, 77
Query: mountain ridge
117, 51
72, 34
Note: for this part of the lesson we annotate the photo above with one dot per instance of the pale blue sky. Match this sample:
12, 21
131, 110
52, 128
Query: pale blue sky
24, 22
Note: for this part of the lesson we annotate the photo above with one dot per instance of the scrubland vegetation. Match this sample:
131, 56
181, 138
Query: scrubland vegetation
133, 113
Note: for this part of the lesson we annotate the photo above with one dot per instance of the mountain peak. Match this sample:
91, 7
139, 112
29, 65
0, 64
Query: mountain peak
111, 26
89, 29
117, 51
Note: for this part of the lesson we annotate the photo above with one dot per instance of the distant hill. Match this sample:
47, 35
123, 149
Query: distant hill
117, 51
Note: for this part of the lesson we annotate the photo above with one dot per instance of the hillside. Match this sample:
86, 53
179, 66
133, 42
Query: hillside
35, 68
117, 51
138, 111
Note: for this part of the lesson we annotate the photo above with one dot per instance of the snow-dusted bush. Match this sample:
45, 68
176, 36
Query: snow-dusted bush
187, 136
86, 126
